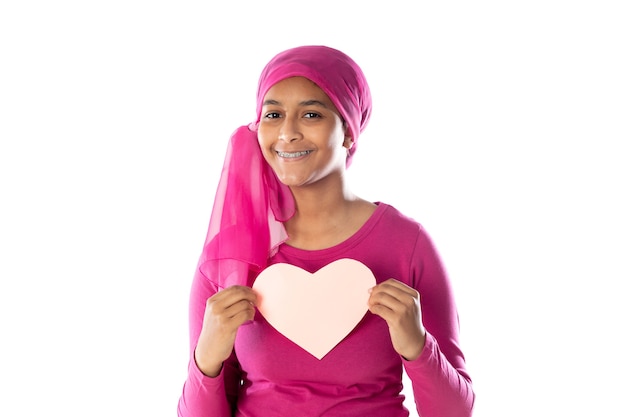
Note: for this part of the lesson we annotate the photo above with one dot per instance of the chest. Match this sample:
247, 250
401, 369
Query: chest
364, 356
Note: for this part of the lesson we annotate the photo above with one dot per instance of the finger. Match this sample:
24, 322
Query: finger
397, 314
393, 298
396, 288
232, 295
381, 310
241, 310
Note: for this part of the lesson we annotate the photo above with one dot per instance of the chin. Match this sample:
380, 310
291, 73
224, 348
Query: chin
292, 181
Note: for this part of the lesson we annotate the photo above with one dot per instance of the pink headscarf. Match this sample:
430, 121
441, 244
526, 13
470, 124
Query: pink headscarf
251, 204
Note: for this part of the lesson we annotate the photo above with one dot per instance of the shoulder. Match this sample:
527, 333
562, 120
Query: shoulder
391, 228
404, 229
397, 220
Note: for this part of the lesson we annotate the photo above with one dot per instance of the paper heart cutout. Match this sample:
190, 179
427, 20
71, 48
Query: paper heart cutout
316, 311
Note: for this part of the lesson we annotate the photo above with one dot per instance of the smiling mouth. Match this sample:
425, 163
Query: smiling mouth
293, 154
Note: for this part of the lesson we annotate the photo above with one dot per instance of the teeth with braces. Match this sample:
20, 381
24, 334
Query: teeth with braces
293, 154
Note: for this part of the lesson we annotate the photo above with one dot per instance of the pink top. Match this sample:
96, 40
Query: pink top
268, 375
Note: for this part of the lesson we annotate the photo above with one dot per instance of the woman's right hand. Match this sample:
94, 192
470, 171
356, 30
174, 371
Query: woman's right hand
225, 311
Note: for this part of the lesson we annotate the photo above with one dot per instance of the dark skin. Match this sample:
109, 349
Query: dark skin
304, 140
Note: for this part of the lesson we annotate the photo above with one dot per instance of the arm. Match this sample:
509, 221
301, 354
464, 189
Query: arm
204, 396
441, 384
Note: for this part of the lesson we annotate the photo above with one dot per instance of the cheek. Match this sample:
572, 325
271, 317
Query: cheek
265, 143
263, 137
337, 138
266, 132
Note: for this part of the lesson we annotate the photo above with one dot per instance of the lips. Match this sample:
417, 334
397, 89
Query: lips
297, 154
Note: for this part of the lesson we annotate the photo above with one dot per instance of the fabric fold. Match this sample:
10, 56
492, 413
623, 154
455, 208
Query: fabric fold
250, 206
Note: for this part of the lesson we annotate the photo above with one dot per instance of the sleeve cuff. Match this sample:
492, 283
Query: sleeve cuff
200, 378
430, 347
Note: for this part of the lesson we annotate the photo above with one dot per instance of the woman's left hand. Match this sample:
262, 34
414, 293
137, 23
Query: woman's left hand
399, 305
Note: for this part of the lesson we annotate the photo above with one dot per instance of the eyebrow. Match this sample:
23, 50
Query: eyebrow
311, 102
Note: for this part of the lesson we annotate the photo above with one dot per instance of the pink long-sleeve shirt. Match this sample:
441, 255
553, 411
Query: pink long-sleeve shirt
270, 376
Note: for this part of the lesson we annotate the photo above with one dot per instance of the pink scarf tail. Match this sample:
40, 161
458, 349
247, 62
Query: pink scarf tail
246, 226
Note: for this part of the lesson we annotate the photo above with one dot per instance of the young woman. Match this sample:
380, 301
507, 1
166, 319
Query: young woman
283, 199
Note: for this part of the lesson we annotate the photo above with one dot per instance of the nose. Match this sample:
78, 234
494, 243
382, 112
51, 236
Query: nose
289, 130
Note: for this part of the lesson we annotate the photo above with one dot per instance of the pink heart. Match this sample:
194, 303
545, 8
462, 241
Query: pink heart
315, 311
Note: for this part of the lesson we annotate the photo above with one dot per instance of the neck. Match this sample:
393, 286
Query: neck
323, 200
325, 215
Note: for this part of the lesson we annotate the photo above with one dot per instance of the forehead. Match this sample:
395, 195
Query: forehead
298, 89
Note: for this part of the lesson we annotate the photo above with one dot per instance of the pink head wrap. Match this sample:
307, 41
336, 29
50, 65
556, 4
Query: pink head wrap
251, 204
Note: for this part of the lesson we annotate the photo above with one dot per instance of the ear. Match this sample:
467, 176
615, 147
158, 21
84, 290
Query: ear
347, 140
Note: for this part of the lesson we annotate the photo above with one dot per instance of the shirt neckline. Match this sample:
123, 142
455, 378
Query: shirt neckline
351, 241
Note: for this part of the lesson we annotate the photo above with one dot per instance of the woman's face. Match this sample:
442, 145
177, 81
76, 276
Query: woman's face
301, 134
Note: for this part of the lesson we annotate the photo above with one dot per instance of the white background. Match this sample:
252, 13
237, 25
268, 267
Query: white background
499, 125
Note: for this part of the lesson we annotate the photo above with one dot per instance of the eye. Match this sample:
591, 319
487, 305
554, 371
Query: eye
271, 115
312, 115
